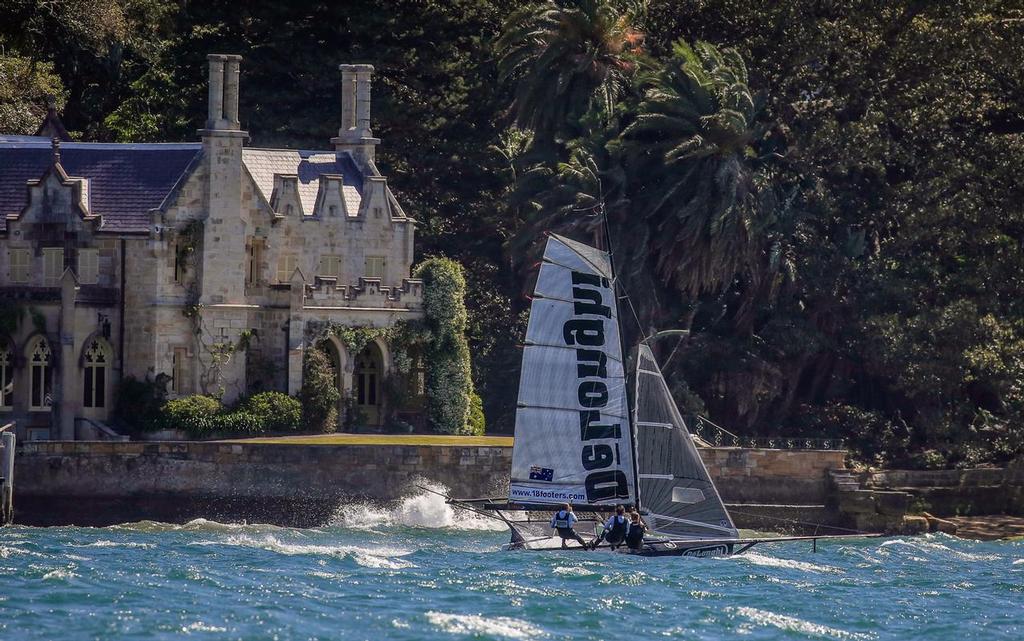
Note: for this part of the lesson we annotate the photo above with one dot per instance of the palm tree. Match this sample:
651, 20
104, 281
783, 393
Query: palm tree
693, 169
564, 57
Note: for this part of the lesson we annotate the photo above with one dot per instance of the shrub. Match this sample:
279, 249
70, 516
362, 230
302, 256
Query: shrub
138, 404
319, 392
275, 411
241, 422
477, 423
197, 415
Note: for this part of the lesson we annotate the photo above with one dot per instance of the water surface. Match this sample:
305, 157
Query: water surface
419, 572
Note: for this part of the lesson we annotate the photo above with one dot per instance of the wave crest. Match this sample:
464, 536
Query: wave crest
424, 509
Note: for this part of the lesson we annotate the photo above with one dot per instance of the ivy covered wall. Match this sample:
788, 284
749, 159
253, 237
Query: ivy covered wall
437, 344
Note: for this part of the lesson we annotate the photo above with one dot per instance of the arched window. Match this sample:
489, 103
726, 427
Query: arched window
94, 382
6, 378
40, 376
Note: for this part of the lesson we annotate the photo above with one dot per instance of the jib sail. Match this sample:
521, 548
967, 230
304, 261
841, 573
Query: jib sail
572, 435
677, 493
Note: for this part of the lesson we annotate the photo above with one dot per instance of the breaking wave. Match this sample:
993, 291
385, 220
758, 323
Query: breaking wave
478, 626
799, 626
776, 562
425, 509
366, 556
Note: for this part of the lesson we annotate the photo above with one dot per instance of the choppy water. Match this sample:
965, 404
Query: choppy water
410, 574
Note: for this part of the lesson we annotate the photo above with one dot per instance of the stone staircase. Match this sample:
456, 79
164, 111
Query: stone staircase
843, 480
869, 510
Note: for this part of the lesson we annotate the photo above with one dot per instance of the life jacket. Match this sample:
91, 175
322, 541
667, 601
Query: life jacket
561, 520
635, 536
618, 531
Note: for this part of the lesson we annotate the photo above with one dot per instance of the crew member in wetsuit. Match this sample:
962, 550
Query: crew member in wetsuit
615, 528
563, 521
635, 533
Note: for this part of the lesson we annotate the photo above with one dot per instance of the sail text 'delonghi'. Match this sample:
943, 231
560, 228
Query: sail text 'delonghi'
586, 331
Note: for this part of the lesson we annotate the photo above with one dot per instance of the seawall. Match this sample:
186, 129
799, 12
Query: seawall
301, 484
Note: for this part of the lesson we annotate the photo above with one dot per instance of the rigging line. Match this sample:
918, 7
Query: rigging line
796, 521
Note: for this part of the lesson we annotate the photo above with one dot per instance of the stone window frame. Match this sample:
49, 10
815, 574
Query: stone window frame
181, 378
53, 268
177, 265
324, 262
380, 264
254, 247
19, 265
40, 359
96, 361
286, 264
88, 268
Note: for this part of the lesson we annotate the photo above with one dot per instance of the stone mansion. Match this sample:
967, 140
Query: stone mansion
205, 264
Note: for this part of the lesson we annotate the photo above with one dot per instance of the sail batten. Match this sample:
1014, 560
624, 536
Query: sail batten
573, 441
677, 491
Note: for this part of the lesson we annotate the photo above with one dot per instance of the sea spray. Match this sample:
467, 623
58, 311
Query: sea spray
425, 508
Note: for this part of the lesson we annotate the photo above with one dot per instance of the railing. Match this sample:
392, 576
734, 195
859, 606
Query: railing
103, 432
717, 436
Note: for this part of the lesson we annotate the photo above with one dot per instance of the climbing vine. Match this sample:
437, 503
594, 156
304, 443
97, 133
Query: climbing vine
449, 377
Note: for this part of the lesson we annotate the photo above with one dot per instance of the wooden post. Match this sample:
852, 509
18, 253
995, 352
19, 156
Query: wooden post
7, 473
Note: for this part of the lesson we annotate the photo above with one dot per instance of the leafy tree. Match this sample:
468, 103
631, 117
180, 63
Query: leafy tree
562, 57
690, 146
25, 88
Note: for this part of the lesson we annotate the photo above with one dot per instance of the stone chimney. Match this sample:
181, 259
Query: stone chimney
222, 273
355, 135
222, 114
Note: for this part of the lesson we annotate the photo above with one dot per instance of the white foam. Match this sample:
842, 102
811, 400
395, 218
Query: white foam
7, 552
371, 557
1018, 562
60, 573
574, 570
424, 509
929, 545
789, 564
199, 626
506, 627
793, 624
102, 543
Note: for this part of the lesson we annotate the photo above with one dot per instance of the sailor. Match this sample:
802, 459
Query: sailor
615, 528
635, 533
563, 521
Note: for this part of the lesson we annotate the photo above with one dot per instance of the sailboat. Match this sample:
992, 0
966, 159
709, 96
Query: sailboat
580, 439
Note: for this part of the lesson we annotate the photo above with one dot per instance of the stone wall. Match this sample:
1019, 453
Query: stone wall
107, 482
783, 477
968, 492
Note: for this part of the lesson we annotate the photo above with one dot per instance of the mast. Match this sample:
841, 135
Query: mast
630, 402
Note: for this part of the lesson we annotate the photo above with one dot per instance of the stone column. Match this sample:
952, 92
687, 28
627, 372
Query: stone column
231, 74
363, 78
296, 332
215, 112
348, 99
66, 387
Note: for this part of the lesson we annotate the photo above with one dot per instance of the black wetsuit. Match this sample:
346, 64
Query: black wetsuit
635, 536
616, 534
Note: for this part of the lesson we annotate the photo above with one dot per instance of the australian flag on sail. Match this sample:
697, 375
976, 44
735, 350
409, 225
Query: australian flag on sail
541, 473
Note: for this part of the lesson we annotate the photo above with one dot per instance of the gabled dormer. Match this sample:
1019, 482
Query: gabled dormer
57, 200
330, 197
285, 200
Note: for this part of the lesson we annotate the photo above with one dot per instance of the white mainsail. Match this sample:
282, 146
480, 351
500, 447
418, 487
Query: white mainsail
572, 436
678, 495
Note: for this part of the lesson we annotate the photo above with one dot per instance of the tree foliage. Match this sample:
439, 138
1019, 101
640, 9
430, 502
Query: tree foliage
826, 194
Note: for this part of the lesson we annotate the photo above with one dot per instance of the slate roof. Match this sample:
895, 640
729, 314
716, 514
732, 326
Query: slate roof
125, 180
262, 164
